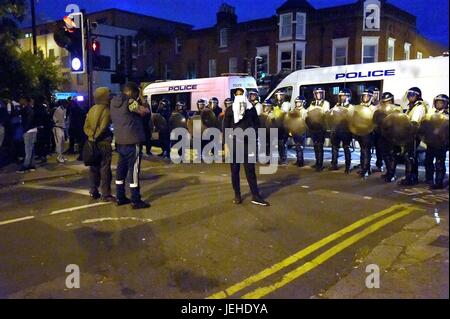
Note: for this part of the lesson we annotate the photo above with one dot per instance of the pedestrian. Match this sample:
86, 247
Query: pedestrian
59, 127
77, 117
98, 130
126, 115
30, 130
243, 115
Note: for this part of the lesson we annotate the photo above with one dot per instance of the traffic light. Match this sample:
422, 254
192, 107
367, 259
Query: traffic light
99, 62
260, 68
127, 56
70, 36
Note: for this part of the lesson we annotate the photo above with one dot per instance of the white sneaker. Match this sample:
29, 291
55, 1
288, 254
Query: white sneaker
61, 160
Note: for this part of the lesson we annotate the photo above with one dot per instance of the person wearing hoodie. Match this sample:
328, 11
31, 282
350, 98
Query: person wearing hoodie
242, 115
126, 115
97, 128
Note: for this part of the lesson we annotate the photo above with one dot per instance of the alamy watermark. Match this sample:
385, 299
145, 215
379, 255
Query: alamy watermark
240, 146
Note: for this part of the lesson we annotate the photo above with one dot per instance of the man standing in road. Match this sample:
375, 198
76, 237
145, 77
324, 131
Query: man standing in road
126, 115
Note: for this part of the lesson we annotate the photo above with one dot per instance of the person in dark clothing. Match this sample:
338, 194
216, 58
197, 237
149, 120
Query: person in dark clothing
126, 116
242, 115
97, 129
29, 125
77, 117
165, 110
44, 135
214, 106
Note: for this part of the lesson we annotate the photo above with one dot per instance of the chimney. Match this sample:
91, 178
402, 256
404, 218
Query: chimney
226, 16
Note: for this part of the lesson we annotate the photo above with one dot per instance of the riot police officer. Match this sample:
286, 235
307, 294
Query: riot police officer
341, 133
318, 137
435, 173
164, 108
201, 105
253, 97
281, 105
416, 112
376, 135
180, 107
365, 142
388, 150
299, 140
214, 106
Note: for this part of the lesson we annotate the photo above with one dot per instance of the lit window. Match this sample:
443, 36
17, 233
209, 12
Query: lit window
286, 26
419, 55
212, 67
407, 51
340, 51
391, 49
233, 65
223, 38
369, 49
301, 25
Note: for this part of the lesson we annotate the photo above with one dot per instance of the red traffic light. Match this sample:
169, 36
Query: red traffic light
95, 46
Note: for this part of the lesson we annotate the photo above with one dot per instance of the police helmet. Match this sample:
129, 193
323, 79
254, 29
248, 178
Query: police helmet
228, 102
387, 97
414, 91
213, 102
319, 90
180, 106
367, 95
300, 99
201, 104
441, 97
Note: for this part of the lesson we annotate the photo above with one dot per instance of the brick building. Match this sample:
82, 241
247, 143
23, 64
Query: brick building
297, 36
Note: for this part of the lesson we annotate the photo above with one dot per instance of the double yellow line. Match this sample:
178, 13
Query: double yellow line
404, 209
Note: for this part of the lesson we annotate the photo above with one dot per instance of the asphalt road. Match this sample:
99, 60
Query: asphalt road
193, 242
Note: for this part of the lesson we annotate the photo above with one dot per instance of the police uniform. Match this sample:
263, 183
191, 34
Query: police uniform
282, 133
365, 144
435, 172
164, 137
336, 138
416, 113
318, 137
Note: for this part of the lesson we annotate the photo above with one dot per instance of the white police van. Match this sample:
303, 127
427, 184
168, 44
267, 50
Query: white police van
190, 91
430, 75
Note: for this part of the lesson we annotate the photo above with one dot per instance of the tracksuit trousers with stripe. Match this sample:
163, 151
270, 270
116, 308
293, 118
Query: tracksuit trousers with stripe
129, 165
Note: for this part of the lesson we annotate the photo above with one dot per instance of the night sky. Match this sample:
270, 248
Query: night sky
432, 15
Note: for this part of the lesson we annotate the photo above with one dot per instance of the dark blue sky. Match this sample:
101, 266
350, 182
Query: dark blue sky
432, 15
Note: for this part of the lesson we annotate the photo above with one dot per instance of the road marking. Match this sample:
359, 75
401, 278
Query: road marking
296, 273
303, 253
66, 210
11, 221
105, 219
60, 189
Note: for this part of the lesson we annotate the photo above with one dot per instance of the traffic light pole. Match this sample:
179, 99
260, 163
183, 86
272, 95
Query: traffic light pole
89, 62
33, 25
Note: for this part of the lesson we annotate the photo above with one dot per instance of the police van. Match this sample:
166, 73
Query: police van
190, 91
430, 75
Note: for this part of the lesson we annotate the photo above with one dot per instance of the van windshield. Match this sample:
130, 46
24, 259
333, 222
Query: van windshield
287, 90
332, 90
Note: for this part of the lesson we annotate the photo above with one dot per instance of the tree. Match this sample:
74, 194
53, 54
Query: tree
21, 72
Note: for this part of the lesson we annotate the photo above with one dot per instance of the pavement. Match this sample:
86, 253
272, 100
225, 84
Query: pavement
316, 240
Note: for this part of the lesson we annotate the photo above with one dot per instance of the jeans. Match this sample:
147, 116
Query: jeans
100, 173
29, 140
58, 133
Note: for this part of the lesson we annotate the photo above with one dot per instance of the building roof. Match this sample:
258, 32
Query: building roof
295, 4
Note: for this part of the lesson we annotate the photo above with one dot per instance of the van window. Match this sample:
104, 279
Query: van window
173, 98
332, 90
287, 89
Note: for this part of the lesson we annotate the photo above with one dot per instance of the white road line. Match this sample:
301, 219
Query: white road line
60, 189
104, 219
66, 210
11, 221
